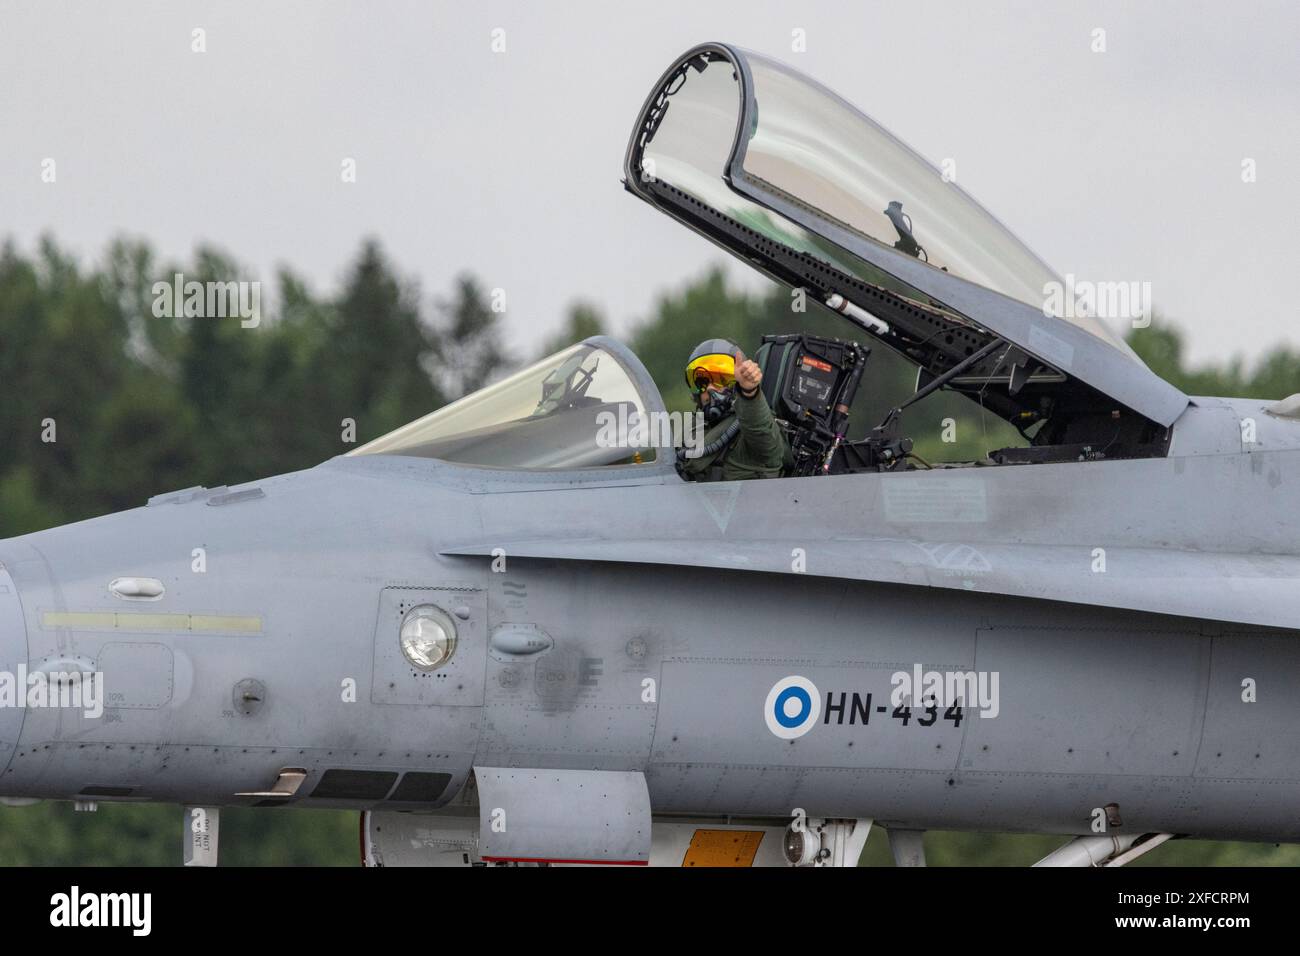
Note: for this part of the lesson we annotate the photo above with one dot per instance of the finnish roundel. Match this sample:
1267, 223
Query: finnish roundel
792, 708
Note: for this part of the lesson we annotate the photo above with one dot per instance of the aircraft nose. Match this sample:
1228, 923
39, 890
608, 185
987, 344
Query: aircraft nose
13, 655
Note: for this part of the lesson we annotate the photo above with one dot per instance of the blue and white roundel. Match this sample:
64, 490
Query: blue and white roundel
793, 706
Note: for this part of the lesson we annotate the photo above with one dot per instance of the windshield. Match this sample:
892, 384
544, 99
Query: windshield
575, 409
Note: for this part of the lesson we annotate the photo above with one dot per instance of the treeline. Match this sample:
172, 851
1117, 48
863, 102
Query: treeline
107, 402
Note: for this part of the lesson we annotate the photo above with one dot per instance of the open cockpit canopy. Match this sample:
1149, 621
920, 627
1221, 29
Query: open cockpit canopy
783, 173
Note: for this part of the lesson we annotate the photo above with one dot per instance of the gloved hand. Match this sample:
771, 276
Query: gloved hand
748, 375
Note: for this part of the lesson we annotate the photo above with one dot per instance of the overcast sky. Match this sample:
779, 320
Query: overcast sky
1122, 165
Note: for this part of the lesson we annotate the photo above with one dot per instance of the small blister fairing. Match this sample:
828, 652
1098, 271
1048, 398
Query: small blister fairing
799, 184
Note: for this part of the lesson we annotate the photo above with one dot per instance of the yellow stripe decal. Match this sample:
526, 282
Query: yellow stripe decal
136, 621
225, 622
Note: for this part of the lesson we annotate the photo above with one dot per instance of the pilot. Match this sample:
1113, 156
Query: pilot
741, 438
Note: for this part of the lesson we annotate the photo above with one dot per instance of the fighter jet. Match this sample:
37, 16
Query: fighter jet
511, 632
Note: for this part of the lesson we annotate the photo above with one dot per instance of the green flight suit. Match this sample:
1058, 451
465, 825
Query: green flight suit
759, 451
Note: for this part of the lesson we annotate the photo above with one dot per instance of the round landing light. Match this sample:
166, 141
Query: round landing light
801, 847
428, 637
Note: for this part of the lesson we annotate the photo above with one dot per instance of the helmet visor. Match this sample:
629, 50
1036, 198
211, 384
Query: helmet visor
718, 371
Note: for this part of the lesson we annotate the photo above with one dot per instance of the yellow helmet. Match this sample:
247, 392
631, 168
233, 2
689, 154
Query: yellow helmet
713, 363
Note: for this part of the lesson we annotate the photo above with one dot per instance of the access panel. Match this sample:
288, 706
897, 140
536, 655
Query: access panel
457, 680
563, 816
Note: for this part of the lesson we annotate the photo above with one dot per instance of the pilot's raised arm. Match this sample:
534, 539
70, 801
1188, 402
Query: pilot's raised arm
743, 439
762, 449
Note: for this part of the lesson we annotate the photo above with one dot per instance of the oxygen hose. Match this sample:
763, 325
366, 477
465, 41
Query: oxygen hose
715, 446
